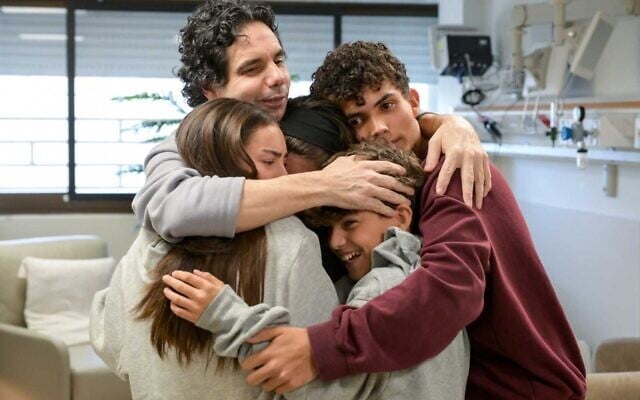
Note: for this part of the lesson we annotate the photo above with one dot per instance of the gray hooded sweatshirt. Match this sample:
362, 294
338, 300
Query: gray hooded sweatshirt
443, 377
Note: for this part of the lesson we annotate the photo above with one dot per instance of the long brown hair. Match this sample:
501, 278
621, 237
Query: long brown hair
210, 140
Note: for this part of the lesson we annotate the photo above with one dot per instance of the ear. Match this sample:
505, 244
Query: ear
414, 100
404, 213
210, 94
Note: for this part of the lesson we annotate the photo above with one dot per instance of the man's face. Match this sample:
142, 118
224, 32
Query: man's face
387, 113
257, 71
354, 237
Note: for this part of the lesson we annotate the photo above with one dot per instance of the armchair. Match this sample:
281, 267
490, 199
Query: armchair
36, 366
616, 370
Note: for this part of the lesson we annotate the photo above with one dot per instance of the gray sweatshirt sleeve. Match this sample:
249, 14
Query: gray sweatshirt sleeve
176, 201
373, 284
233, 322
295, 282
106, 324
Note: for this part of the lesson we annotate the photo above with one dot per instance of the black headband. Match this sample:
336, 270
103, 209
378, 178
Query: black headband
312, 127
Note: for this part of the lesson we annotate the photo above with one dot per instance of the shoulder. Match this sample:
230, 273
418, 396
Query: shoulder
289, 231
373, 284
387, 277
289, 238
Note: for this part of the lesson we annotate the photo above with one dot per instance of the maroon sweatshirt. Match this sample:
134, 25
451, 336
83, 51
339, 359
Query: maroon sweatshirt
480, 271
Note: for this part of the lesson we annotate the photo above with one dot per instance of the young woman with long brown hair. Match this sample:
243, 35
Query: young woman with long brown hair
132, 326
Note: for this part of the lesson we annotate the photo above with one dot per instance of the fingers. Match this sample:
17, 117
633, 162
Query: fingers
207, 276
383, 167
192, 279
262, 376
271, 384
434, 151
252, 363
478, 186
449, 166
377, 176
179, 287
487, 175
183, 313
178, 299
265, 335
467, 175
271, 380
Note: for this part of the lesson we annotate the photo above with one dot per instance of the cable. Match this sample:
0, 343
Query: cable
473, 97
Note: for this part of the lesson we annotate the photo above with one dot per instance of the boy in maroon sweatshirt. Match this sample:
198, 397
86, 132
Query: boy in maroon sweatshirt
480, 270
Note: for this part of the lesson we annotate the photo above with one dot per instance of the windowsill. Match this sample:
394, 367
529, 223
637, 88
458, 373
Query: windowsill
59, 203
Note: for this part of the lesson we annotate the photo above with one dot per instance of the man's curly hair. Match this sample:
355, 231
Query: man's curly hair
212, 28
378, 149
351, 67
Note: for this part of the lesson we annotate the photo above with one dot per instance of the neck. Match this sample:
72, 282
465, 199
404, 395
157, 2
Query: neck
420, 149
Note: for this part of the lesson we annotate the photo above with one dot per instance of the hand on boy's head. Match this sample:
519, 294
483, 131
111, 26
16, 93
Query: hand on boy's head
458, 140
365, 185
191, 293
286, 364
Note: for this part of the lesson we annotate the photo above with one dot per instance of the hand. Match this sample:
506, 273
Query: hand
286, 364
458, 140
363, 185
191, 293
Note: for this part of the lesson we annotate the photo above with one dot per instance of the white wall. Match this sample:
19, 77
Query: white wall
589, 243
118, 230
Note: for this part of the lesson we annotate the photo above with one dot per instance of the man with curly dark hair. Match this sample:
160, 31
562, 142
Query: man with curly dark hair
210, 31
479, 270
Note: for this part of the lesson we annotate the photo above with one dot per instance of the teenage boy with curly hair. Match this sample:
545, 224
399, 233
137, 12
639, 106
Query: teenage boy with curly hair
479, 270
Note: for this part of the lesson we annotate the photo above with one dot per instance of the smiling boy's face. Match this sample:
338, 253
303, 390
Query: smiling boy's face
354, 236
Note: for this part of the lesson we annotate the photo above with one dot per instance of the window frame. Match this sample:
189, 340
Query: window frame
37, 203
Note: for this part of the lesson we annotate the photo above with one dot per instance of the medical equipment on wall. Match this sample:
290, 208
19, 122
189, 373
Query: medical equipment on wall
577, 46
575, 51
465, 57
578, 135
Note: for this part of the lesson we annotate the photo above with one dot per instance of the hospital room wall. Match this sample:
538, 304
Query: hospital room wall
589, 243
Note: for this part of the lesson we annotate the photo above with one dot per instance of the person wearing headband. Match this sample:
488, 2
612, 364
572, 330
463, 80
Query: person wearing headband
314, 131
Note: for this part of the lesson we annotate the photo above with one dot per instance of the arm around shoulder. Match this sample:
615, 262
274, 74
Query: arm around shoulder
454, 256
176, 201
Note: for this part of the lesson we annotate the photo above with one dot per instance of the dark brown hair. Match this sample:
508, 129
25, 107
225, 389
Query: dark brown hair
375, 149
351, 67
309, 144
210, 30
210, 140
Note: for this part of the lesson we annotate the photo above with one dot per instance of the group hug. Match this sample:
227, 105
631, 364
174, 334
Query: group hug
341, 245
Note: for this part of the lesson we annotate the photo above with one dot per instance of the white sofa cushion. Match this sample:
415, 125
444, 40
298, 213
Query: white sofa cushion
59, 295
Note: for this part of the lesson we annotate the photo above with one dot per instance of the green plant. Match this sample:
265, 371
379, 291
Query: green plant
156, 124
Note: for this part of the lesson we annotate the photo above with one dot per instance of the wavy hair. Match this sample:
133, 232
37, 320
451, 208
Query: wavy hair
210, 140
203, 43
351, 67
